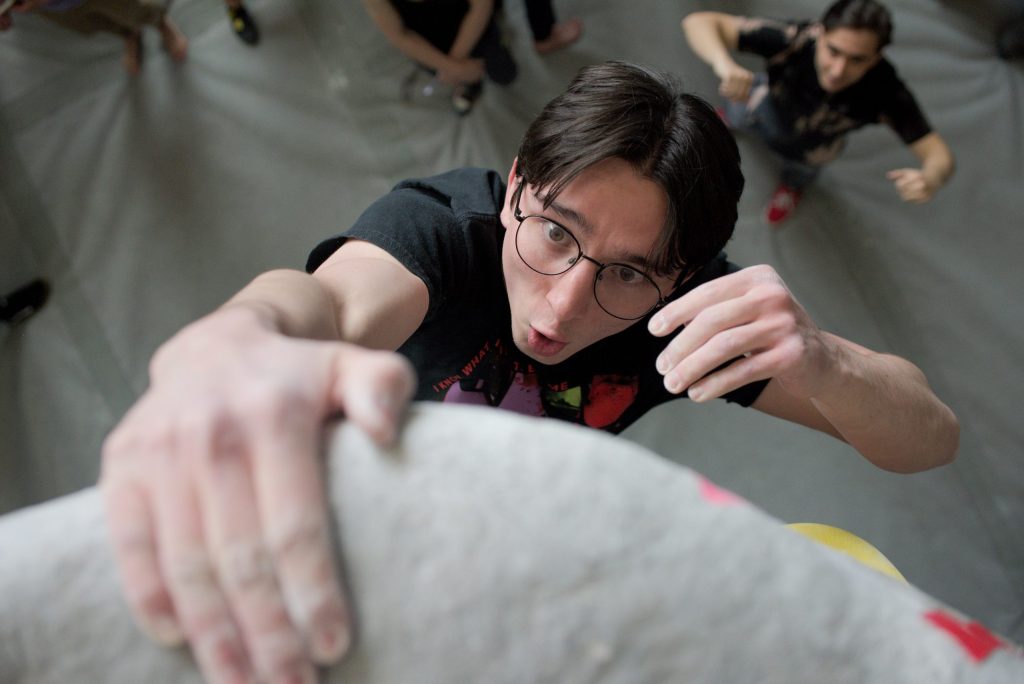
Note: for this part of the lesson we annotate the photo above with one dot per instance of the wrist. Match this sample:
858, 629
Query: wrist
723, 65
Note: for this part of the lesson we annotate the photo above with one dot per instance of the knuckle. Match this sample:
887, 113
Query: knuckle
245, 568
304, 535
191, 577
725, 342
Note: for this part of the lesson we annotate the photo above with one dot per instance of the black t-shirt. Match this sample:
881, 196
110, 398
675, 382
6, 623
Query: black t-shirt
436, 20
814, 117
446, 230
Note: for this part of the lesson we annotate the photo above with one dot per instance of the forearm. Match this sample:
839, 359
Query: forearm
472, 28
937, 164
883, 407
708, 40
290, 302
938, 168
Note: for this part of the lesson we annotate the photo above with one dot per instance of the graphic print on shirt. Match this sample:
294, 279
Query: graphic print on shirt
495, 377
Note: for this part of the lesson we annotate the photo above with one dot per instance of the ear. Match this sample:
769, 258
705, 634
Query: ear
512, 175
510, 189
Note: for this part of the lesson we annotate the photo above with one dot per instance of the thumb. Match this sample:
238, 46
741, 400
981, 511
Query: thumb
373, 389
895, 174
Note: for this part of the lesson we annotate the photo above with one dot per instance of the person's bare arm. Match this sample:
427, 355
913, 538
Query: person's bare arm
212, 481
878, 403
471, 28
713, 36
937, 165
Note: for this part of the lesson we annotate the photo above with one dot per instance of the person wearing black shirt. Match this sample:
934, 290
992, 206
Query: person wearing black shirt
586, 284
823, 79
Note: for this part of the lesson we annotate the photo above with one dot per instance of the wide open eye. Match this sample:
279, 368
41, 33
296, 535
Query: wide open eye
554, 233
624, 275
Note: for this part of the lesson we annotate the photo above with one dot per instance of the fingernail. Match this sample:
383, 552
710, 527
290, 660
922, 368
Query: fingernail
330, 643
695, 393
165, 630
230, 663
304, 674
672, 384
656, 326
329, 634
661, 364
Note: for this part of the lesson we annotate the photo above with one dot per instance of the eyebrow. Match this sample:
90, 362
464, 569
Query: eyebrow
587, 228
848, 55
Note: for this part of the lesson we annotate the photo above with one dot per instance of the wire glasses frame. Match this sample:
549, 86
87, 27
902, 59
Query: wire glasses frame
659, 299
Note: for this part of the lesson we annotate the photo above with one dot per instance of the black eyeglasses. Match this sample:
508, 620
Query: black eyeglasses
549, 248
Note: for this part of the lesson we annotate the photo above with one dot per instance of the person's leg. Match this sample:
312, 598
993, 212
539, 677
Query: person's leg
18, 305
242, 22
549, 35
498, 64
797, 175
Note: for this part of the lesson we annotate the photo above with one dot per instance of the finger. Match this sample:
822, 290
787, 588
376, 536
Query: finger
289, 480
731, 286
373, 389
895, 173
908, 182
131, 533
200, 605
733, 334
743, 371
244, 566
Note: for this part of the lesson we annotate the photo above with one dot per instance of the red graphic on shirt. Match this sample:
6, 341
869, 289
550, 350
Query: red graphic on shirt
608, 399
975, 639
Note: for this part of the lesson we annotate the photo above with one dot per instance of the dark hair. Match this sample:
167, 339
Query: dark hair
626, 111
860, 14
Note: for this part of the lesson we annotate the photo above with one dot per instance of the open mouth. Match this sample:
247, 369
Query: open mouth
542, 345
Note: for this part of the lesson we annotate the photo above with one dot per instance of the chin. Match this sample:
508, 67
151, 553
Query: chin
831, 88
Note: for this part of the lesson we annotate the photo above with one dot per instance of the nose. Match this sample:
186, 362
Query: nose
572, 292
839, 67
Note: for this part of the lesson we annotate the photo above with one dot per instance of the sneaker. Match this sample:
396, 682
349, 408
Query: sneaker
782, 204
23, 302
243, 25
465, 97
562, 35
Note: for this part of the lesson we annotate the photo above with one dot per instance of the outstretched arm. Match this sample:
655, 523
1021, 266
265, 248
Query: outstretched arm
937, 165
878, 403
212, 481
712, 36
